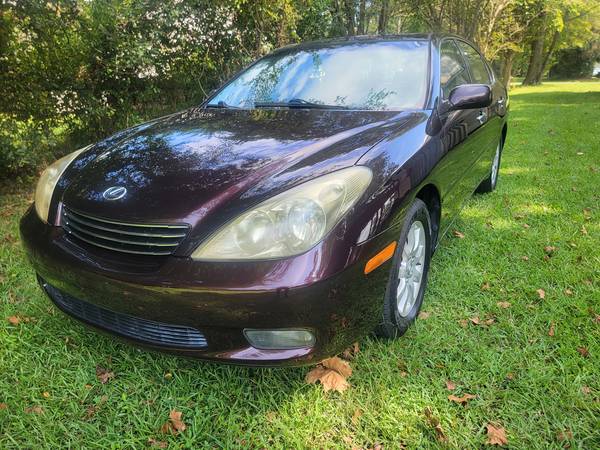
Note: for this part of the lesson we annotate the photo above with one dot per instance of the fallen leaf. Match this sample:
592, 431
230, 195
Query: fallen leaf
549, 249
423, 315
586, 390
475, 320
168, 376
315, 374
463, 323
356, 416
525, 258
333, 381
46, 394
564, 435
568, 291
339, 365
34, 410
458, 234
3, 406
597, 318
583, 351
90, 411
174, 425
504, 305
434, 422
157, 444
461, 400
496, 436
351, 351
104, 375
14, 320
485, 286
526, 226
551, 330
541, 293
489, 321
450, 385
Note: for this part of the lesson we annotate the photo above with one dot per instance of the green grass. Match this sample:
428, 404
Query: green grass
532, 384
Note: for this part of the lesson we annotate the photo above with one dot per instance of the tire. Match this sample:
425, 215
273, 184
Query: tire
399, 314
489, 184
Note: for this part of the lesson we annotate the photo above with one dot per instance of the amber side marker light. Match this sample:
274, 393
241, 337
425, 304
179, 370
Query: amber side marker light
380, 258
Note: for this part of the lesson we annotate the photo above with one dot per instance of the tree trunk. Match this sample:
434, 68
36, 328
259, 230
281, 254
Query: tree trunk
362, 13
350, 12
507, 64
555, 38
384, 15
537, 54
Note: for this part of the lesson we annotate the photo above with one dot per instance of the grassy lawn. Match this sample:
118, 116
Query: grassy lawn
542, 386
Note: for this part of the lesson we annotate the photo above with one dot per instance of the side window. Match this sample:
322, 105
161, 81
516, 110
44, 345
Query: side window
453, 71
479, 70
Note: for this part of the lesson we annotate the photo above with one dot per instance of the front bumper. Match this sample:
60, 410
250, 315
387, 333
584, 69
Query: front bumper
217, 299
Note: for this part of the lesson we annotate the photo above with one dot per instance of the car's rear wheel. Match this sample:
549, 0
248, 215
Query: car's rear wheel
408, 275
489, 184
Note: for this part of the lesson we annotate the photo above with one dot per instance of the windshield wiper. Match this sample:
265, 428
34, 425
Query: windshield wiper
221, 104
296, 103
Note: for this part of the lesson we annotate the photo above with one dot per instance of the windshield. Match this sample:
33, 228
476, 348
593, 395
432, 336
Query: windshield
375, 75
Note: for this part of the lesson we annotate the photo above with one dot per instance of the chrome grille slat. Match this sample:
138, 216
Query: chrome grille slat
140, 239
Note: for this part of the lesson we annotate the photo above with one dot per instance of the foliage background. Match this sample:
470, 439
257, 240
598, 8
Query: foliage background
73, 71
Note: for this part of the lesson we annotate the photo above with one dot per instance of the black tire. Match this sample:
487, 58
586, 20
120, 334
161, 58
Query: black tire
393, 324
489, 184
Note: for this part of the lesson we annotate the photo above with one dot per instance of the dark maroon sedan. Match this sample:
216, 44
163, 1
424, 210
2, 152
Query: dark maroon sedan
294, 211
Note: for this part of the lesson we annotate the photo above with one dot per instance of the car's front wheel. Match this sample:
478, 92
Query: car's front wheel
408, 275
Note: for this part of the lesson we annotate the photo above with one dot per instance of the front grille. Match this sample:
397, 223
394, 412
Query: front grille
141, 239
135, 328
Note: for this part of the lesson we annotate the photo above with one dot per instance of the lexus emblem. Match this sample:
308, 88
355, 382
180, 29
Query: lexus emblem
114, 193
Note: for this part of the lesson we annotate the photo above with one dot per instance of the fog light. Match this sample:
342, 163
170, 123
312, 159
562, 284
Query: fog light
279, 339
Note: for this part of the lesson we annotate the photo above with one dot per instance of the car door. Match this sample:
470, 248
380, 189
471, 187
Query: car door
458, 135
485, 125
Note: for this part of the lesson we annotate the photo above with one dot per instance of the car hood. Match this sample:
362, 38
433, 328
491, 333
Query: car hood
184, 167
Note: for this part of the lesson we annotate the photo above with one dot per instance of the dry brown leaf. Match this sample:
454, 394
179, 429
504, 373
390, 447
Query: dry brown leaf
458, 234
450, 385
541, 293
3, 406
174, 425
461, 400
568, 292
549, 249
423, 315
526, 226
525, 258
597, 318
485, 286
104, 375
333, 381
157, 444
475, 320
551, 330
351, 351
583, 351
434, 422
339, 365
46, 394
496, 435
315, 374
489, 321
564, 435
504, 305
34, 410
14, 320
356, 416
464, 323
586, 390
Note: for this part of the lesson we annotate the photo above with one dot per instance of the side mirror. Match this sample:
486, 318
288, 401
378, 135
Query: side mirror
470, 96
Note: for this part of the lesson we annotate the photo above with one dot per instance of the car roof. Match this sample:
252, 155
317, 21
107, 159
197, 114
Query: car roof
349, 40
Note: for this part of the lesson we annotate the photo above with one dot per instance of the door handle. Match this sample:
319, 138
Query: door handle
482, 117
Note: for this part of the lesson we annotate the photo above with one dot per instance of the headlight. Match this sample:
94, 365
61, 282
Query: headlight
47, 183
289, 223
